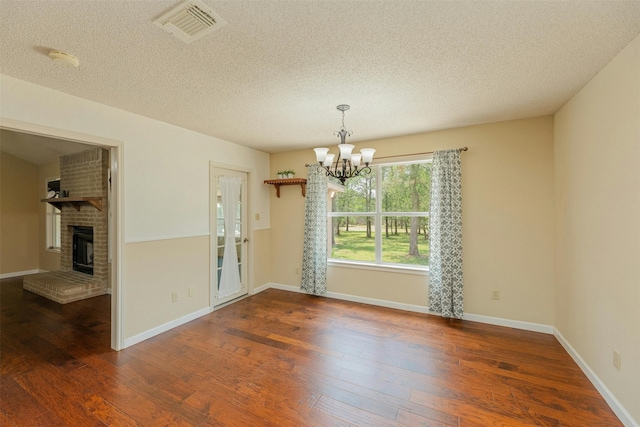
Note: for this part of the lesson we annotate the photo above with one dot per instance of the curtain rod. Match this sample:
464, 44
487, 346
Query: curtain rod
407, 155
417, 154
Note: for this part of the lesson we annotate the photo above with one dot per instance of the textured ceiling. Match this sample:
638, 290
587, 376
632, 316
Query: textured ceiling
271, 78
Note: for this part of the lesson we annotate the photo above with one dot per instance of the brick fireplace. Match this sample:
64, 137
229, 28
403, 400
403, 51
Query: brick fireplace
84, 176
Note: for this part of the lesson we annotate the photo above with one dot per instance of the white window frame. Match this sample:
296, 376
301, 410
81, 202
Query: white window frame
377, 215
52, 223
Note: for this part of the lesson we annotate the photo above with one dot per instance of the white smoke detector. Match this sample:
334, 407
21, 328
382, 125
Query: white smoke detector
64, 58
190, 20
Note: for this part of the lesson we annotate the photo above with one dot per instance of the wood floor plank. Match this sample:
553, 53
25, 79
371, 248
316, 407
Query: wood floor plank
143, 409
22, 408
475, 409
285, 359
39, 385
375, 396
356, 400
351, 414
411, 419
305, 345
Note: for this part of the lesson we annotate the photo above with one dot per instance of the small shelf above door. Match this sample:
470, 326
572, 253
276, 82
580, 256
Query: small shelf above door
302, 182
76, 202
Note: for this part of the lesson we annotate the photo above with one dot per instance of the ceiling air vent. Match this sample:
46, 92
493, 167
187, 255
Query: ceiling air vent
190, 20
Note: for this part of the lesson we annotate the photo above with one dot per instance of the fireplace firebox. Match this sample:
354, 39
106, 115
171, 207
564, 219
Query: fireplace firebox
83, 249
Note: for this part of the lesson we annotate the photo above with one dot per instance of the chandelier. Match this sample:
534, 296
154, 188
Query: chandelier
347, 165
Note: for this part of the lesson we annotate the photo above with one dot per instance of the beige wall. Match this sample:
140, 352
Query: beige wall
597, 152
19, 207
261, 261
49, 259
154, 271
507, 213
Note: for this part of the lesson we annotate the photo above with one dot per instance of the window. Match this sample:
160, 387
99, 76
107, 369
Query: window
382, 218
53, 217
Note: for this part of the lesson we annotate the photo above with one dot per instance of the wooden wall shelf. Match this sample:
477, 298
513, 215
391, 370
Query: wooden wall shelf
76, 202
288, 181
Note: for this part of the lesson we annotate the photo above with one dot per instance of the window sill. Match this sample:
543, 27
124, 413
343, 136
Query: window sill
56, 250
389, 268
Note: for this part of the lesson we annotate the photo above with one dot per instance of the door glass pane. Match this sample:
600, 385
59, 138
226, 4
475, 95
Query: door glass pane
239, 252
221, 232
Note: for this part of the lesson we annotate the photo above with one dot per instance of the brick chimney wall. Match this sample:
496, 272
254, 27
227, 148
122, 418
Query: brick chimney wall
85, 175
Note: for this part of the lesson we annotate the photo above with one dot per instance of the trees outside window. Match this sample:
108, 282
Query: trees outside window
382, 218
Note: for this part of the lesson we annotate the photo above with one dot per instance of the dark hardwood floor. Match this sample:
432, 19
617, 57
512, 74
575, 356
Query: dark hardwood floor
284, 359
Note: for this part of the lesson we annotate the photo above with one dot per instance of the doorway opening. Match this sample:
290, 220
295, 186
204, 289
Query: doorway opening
31, 137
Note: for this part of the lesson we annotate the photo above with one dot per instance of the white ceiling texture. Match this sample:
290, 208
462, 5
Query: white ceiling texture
273, 75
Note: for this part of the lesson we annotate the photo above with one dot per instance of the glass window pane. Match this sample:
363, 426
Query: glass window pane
406, 188
359, 195
238, 232
353, 238
56, 228
405, 240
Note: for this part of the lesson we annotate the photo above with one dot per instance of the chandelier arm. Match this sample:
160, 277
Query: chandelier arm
361, 170
336, 173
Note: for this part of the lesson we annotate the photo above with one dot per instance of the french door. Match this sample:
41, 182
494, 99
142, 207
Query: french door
229, 235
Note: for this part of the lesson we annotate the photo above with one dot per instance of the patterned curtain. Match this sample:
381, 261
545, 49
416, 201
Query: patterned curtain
445, 235
314, 255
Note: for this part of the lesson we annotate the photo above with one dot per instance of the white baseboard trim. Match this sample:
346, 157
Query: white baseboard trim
620, 411
21, 273
165, 327
347, 297
516, 324
262, 288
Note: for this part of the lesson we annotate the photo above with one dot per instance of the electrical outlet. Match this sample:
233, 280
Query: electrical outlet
192, 292
297, 271
495, 294
617, 360
257, 217
174, 297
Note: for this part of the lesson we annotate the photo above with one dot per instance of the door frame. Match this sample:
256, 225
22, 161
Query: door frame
213, 167
116, 153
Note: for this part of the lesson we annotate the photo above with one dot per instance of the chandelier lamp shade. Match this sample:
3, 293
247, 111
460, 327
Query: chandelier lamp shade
346, 164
